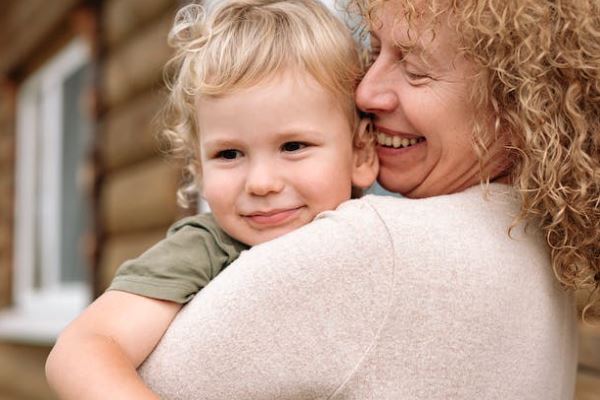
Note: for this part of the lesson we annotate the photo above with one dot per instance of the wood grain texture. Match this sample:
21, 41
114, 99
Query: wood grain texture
129, 133
22, 374
123, 17
589, 347
140, 197
119, 248
137, 65
25, 26
5, 279
588, 386
7, 152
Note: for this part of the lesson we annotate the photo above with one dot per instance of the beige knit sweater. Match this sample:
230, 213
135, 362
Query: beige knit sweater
384, 298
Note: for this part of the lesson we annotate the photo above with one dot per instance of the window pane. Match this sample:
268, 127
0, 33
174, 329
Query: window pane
37, 182
75, 202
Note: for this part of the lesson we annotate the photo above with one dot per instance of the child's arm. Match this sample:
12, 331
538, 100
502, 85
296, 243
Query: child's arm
97, 355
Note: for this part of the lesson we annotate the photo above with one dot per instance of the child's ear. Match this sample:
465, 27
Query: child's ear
365, 165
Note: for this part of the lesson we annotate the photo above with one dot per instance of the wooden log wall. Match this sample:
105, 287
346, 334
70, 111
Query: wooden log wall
22, 374
7, 189
137, 200
30, 32
134, 43
25, 25
130, 132
588, 375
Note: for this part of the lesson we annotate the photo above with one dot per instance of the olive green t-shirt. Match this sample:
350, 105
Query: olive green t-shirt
194, 252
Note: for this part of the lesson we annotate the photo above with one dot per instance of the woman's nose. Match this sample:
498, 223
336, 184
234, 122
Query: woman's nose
263, 179
376, 94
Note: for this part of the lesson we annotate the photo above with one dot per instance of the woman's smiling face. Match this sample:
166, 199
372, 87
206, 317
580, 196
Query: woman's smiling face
421, 109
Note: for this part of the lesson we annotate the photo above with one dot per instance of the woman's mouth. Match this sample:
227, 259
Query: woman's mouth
396, 141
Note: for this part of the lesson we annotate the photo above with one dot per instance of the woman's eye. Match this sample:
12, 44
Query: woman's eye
417, 78
229, 154
412, 75
291, 147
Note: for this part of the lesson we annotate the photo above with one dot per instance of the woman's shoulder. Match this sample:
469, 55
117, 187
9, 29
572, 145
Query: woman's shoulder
476, 214
495, 199
471, 234
487, 211
458, 269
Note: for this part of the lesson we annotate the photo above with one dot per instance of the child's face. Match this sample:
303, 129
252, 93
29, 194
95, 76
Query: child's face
274, 156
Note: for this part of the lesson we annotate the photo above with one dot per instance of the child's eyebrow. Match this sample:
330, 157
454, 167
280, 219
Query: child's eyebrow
218, 143
295, 133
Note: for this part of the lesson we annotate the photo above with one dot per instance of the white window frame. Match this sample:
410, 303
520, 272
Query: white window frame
38, 315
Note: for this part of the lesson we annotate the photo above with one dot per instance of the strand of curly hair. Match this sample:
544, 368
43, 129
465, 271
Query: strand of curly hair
541, 78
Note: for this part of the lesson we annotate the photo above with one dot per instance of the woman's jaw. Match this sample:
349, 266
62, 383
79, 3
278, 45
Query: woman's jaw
416, 167
419, 168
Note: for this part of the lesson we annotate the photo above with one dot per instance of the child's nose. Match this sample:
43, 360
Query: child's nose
263, 179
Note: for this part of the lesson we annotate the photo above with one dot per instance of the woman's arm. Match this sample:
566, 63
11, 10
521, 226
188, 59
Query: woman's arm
97, 355
291, 318
325, 313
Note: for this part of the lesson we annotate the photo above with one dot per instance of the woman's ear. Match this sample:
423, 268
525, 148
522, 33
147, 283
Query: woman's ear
365, 166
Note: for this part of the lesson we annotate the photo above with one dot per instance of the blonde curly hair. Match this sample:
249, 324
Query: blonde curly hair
540, 80
236, 44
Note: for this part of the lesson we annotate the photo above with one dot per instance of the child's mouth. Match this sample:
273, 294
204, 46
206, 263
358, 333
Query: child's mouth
272, 217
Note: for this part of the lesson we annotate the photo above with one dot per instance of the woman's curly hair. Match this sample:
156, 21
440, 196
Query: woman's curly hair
540, 78
224, 46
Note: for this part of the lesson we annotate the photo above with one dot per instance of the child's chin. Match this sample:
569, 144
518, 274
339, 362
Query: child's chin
267, 236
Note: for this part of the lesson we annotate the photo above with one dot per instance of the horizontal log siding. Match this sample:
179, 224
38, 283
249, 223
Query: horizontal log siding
130, 132
119, 248
137, 194
140, 197
25, 27
122, 17
588, 377
7, 190
137, 64
588, 386
22, 372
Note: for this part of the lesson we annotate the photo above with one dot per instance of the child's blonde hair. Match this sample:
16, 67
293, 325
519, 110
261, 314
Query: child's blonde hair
236, 44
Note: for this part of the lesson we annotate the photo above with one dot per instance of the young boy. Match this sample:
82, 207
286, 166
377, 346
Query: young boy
262, 104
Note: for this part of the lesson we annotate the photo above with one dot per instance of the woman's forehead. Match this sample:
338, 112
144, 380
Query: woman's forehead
426, 35
419, 14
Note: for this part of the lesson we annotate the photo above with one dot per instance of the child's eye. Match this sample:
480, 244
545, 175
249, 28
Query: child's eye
229, 154
291, 147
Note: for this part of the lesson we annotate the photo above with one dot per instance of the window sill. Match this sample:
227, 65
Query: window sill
15, 326
41, 317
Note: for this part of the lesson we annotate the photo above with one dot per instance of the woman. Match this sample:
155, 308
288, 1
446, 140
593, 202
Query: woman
443, 294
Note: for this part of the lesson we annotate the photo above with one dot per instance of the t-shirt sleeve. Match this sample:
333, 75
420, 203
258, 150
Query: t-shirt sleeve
193, 253
290, 319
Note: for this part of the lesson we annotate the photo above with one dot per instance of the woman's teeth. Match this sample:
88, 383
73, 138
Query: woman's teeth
396, 141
